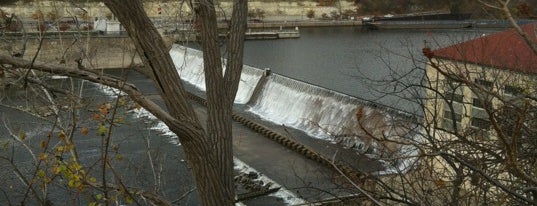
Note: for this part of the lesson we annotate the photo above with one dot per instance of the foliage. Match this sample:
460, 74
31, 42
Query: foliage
57, 169
310, 14
9, 22
256, 13
53, 15
7, 2
38, 15
335, 15
326, 2
380, 7
347, 13
410, 6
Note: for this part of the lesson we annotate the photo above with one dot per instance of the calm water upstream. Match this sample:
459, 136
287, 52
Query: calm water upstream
339, 58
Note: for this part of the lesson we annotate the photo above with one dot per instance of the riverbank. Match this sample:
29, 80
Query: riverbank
263, 14
177, 9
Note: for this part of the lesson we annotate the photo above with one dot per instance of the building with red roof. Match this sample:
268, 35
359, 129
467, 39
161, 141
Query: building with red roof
469, 81
503, 50
481, 113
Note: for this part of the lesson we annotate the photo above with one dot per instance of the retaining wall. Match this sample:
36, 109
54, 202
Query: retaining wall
97, 53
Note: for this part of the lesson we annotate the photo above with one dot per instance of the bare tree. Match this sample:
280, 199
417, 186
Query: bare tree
474, 144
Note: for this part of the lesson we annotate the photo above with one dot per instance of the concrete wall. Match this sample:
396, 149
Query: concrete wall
110, 52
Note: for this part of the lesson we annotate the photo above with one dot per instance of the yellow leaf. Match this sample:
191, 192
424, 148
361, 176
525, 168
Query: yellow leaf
61, 168
84, 131
119, 157
360, 114
22, 135
41, 173
104, 109
60, 149
440, 183
76, 166
61, 135
122, 102
43, 156
107, 106
69, 146
102, 130
96, 117
79, 186
54, 170
43, 144
128, 200
71, 183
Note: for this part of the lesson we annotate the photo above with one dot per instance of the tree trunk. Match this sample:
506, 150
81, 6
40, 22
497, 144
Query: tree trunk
221, 89
219, 116
209, 154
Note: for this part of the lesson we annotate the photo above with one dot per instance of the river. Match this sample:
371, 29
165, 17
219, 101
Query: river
337, 59
344, 59
320, 81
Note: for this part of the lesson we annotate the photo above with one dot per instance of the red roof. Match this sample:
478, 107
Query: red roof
504, 50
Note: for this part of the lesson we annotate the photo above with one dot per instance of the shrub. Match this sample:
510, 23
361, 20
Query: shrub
310, 14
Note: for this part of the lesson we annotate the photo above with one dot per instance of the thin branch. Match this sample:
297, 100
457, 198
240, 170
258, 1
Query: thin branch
375, 201
183, 125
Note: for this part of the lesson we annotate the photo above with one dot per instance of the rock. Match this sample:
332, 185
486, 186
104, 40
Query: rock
253, 175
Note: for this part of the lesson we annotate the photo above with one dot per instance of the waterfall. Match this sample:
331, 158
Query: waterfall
189, 64
319, 112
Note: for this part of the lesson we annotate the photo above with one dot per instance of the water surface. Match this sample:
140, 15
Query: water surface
344, 58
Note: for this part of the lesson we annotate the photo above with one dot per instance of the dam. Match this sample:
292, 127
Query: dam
318, 112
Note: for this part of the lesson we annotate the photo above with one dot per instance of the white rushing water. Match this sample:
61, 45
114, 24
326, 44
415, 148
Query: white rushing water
189, 64
286, 195
319, 112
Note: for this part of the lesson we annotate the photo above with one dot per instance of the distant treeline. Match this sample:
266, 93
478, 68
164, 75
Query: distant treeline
520, 8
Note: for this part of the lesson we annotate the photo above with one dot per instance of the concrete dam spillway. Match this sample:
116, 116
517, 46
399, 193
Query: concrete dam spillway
319, 112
